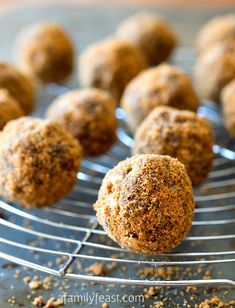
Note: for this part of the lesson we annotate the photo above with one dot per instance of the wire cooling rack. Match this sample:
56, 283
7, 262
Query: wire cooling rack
65, 239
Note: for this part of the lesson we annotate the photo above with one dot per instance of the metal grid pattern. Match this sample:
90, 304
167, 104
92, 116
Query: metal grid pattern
36, 238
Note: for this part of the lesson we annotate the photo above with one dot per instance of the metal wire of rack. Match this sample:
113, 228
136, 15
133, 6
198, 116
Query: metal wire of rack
36, 238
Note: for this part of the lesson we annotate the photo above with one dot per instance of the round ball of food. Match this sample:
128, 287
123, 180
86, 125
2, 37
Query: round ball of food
18, 86
89, 115
228, 107
45, 51
146, 204
218, 29
9, 108
215, 68
162, 85
181, 134
39, 161
110, 65
151, 34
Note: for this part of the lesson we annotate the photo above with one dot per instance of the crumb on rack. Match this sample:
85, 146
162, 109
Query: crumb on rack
12, 300
159, 304
38, 301
97, 269
35, 284
26, 279
53, 303
215, 301
159, 272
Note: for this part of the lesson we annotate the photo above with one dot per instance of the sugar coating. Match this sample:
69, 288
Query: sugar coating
218, 29
146, 204
89, 115
215, 68
151, 34
18, 86
181, 134
228, 107
45, 51
39, 161
9, 108
110, 65
162, 85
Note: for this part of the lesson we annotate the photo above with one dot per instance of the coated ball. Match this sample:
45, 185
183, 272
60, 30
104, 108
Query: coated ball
110, 65
45, 52
219, 29
89, 115
163, 85
181, 134
9, 108
228, 107
39, 161
214, 69
18, 85
151, 34
146, 204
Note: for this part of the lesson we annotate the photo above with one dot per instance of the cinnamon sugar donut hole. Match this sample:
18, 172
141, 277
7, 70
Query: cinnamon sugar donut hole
18, 85
39, 161
228, 107
110, 65
149, 33
214, 69
9, 108
181, 134
46, 52
217, 30
89, 115
146, 204
162, 85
